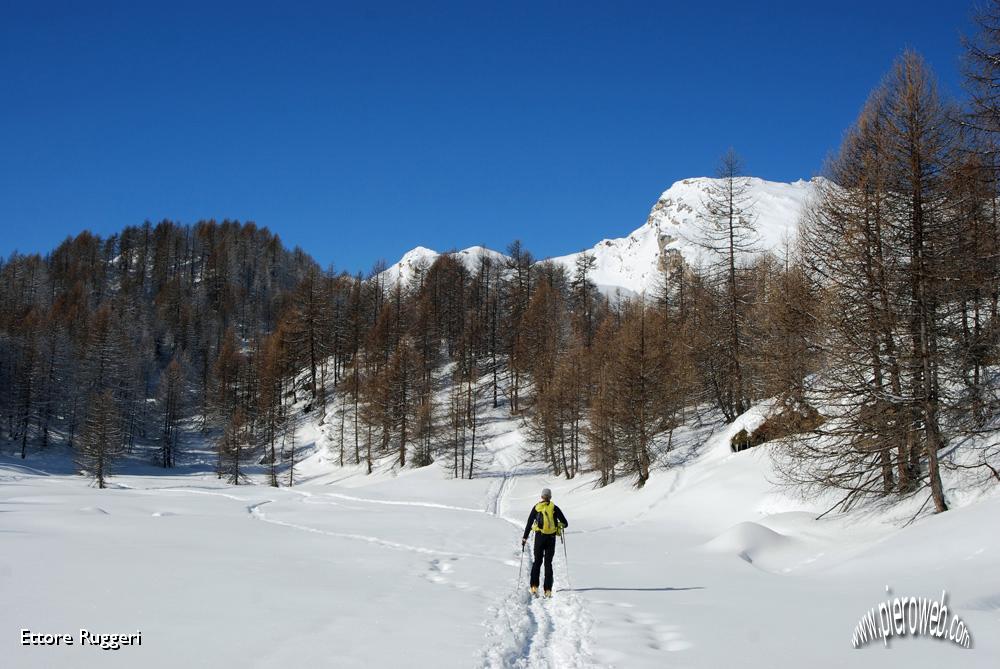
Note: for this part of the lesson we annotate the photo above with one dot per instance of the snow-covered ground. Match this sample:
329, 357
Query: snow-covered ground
709, 565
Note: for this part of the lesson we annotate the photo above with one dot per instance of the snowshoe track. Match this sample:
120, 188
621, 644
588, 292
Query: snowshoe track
524, 632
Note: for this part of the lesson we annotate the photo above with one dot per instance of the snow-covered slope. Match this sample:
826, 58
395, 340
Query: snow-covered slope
708, 565
632, 264
421, 258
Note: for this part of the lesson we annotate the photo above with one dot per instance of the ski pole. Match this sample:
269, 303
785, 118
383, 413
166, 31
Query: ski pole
562, 536
520, 566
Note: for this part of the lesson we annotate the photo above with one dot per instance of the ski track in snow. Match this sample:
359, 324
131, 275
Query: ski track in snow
193, 490
521, 632
524, 632
255, 512
12, 472
26, 468
391, 502
495, 499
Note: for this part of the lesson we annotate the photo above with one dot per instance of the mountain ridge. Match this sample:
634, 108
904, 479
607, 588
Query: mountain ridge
630, 265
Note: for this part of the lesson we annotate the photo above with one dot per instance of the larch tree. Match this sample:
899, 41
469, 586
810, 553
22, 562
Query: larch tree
171, 399
727, 230
101, 440
235, 446
880, 243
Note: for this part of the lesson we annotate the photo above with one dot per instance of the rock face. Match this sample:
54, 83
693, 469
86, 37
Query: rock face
632, 265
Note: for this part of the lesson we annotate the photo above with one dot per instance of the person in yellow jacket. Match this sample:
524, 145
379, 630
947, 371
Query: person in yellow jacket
547, 521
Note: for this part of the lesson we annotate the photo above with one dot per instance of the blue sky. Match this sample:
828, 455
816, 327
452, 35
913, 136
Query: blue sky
360, 130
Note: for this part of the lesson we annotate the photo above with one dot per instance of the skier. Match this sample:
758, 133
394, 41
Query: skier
547, 521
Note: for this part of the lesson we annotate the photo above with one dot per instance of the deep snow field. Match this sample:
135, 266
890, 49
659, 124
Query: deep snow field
710, 565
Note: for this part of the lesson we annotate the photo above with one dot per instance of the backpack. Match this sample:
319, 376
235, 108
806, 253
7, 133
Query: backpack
545, 518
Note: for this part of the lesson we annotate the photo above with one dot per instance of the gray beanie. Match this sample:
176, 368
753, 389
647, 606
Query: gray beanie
546, 493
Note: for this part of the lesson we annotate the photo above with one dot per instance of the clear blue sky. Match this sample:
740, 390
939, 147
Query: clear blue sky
360, 130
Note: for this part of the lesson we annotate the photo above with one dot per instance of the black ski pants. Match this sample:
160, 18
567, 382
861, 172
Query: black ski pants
545, 549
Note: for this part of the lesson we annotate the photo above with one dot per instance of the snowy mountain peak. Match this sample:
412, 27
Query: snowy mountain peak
632, 264
421, 258
419, 252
